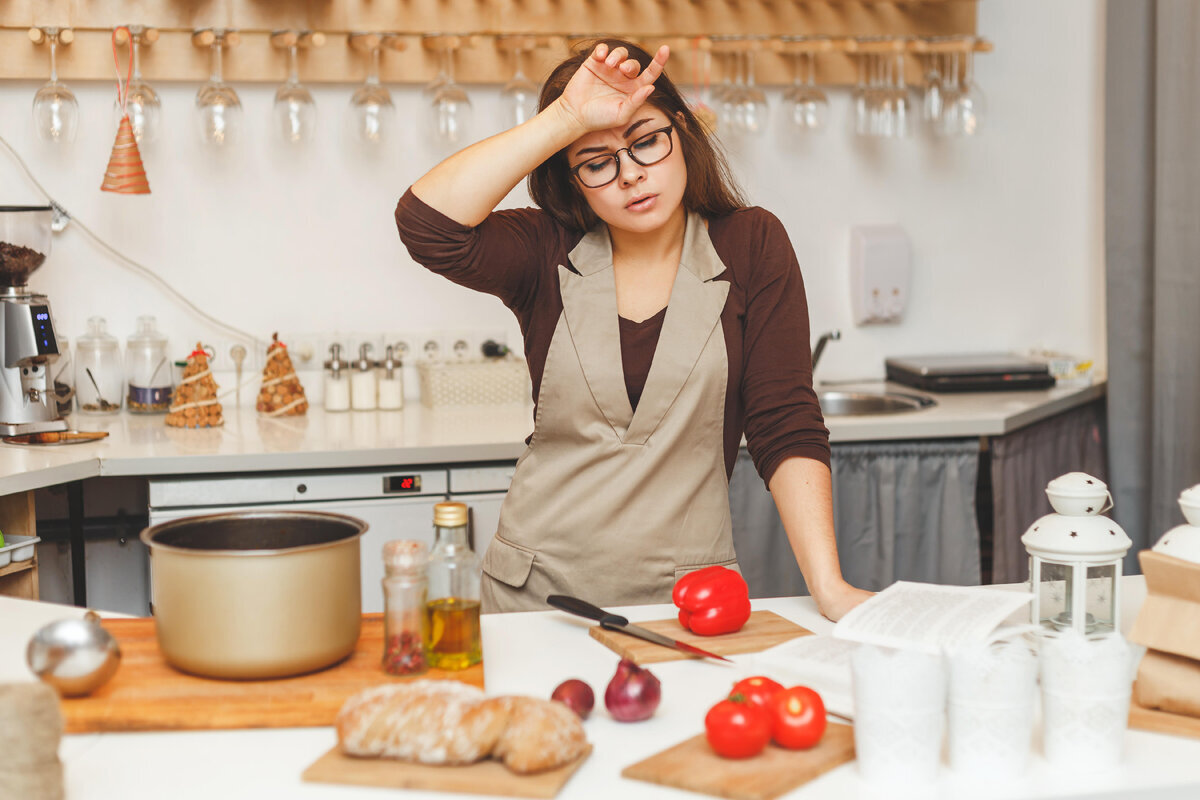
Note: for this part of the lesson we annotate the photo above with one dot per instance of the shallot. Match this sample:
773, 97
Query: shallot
633, 693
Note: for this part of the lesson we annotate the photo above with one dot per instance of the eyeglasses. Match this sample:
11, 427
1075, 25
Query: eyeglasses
645, 150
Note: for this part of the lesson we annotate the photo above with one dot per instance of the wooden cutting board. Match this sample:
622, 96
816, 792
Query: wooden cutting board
1153, 719
693, 765
488, 777
147, 694
764, 629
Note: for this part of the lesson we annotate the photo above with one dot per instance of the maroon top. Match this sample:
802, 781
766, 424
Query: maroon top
514, 254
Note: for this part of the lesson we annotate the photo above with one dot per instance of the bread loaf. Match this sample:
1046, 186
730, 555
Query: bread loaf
541, 735
448, 722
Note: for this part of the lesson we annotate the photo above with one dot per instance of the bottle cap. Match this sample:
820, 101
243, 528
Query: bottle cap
405, 554
450, 515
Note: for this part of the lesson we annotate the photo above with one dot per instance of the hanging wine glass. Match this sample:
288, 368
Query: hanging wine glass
295, 110
372, 113
519, 96
143, 105
218, 109
55, 109
933, 101
754, 112
970, 104
807, 106
451, 105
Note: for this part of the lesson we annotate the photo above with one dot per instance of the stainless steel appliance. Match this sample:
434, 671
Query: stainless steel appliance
27, 342
970, 372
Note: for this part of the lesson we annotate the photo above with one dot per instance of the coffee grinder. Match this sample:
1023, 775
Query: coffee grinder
27, 341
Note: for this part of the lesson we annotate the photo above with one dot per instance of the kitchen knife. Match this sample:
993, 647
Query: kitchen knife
615, 622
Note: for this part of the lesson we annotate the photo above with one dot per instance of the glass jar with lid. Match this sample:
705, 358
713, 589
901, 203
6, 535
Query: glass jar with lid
99, 382
148, 371
404, 590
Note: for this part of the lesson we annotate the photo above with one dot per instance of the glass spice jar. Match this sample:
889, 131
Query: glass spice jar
404, 590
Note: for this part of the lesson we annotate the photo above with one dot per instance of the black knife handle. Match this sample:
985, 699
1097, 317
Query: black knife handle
582, 608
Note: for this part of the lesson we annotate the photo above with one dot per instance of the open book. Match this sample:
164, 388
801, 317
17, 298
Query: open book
921, 616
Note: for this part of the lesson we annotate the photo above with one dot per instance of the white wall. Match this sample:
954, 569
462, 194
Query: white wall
1006, 227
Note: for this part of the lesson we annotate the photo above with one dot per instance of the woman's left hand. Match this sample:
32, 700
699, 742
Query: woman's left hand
836, 602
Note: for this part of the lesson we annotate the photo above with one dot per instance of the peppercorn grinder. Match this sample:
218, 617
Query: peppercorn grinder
27, 342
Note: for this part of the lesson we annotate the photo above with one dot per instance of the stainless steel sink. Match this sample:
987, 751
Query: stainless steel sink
845, 404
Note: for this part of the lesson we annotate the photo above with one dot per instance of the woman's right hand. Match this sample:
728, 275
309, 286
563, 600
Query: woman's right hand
609, 87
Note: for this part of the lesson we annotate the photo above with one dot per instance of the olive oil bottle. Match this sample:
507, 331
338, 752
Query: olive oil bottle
452, 637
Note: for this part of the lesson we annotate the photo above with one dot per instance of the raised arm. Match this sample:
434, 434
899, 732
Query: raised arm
603, 93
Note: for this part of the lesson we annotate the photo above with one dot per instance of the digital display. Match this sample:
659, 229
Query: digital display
43, 331
397, 484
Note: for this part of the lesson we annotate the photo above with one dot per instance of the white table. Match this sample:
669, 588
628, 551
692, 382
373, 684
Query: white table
530, 654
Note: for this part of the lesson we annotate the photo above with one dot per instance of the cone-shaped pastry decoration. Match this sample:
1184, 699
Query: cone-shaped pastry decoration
281, 394
125, 173
195, 403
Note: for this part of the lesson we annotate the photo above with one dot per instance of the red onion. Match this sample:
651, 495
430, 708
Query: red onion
576, 695
633, 693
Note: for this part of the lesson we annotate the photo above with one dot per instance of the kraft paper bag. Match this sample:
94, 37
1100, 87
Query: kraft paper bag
1168, 682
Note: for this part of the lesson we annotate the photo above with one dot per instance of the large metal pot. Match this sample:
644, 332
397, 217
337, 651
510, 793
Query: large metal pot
256, 594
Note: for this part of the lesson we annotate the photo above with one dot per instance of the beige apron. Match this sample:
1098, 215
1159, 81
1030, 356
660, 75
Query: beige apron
608, 504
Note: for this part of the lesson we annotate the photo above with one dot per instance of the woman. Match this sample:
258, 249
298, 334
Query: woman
660, 318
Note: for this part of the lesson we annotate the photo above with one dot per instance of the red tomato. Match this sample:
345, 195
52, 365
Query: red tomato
737, 730
797, 718
757, 690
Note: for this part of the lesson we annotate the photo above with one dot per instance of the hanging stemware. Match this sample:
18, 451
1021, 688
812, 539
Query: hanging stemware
932, 103
218, 108
55, 109
807, 106
901, 105
372, 114
519, 96
451, 105
295, 110
755, 112
970, 105
142, 103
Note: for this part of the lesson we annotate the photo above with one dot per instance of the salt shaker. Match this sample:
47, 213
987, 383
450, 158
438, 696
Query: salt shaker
337, 386
391, 383
404, 590
362, 382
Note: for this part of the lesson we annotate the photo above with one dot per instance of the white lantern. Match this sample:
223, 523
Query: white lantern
1075, 558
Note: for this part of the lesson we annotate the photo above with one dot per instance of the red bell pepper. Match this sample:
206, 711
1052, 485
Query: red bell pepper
712, 601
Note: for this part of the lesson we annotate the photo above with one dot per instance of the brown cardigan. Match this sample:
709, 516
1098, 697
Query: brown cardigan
514, 255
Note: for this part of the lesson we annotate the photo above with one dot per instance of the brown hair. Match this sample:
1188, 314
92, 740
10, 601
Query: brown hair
710, 190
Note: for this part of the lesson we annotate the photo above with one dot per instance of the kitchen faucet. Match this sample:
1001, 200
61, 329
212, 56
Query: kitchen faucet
821, 342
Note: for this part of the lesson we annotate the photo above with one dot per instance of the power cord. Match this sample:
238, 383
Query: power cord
61, 217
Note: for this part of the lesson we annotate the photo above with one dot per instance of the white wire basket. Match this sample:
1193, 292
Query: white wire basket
494, 381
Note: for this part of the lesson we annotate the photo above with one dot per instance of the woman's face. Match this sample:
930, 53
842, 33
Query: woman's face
640, 198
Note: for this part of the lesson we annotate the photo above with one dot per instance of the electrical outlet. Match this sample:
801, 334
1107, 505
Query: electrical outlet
304, 350
405, 346
461, 347
499, 337
432, 348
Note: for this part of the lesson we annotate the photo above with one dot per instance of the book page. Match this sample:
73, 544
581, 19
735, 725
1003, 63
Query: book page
819, 662
929, 616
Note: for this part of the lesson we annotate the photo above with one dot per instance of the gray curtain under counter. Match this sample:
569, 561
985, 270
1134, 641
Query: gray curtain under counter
1023, 462
902, 511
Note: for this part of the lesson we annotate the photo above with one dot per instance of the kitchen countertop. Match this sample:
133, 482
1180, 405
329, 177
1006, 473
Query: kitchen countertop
531, 653
144, 445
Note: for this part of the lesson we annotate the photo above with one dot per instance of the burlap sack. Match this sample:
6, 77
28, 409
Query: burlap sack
1168, 682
